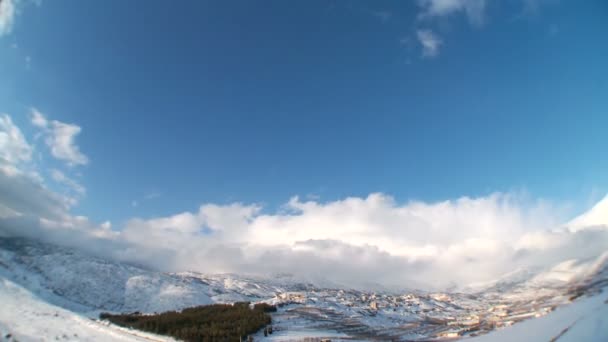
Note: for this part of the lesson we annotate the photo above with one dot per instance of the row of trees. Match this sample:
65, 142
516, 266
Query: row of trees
218, 322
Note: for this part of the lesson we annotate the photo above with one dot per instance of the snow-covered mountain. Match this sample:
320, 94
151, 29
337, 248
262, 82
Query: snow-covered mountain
83, 283
25, 317
49, 277
583, 320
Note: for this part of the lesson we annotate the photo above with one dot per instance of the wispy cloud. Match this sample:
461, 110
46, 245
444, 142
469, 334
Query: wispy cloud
7, 16
60, 137
147, 197
14, 148
474, 9
430, 42
152, 195
383, 15
61, 178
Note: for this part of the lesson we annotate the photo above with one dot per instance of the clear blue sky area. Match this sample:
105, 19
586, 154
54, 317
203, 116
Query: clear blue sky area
187, 102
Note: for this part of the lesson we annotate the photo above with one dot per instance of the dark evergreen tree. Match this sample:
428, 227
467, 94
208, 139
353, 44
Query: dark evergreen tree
218, 322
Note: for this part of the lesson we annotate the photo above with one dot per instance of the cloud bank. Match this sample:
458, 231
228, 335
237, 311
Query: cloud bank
355, 241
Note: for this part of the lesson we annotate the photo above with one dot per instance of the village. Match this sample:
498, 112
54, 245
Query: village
407, 316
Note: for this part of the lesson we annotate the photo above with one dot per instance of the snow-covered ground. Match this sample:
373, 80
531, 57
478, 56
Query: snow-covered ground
583, 320
26, 317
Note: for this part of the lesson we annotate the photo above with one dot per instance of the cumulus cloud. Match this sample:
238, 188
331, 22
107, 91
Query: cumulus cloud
355, 241
352, 242
474, 9
360, 241
60, 137
7, 16
430, 43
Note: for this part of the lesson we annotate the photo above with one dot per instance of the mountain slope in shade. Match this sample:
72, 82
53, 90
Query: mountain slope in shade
595, 217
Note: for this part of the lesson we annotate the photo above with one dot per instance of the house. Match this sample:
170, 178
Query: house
373, 305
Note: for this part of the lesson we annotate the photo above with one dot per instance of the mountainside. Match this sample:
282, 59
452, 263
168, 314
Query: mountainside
81, 283
26, 317
89, 283
583, 320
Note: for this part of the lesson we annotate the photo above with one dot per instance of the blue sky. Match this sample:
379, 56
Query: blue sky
224, 101
242, 101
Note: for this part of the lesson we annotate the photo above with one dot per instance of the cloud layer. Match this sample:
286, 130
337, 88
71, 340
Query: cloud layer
359, 241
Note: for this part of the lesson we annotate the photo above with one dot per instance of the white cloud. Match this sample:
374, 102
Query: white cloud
354, 241
62, 143
7, 16
430, 43
14, 149
60, 138
61, 178
21, 185
38, 119
359, 240
24, 194
29, 208
474, 9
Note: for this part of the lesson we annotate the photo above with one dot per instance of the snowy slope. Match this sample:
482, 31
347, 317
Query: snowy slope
583, 320
26, 317
81, 282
